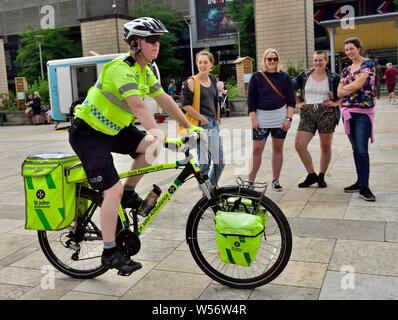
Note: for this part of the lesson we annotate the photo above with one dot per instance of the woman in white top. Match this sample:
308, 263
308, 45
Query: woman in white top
319, 111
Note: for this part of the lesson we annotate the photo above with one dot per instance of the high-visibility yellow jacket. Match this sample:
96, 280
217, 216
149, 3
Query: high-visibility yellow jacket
105, 108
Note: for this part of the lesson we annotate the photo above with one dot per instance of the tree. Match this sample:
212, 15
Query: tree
167, 63
242, 14
54, 45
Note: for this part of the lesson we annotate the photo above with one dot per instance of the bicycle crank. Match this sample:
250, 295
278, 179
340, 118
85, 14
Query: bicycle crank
128, 241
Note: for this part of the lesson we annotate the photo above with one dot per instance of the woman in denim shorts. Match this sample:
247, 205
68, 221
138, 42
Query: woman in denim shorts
270, 113
320, 112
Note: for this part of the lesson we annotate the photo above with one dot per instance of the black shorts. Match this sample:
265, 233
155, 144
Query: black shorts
263, 133
94, 150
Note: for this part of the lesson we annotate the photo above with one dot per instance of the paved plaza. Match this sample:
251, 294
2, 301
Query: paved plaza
343, 247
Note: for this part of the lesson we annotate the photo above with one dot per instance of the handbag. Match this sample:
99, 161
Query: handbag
196, 105
273, 87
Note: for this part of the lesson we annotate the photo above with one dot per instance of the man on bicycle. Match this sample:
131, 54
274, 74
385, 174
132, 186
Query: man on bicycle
105, 123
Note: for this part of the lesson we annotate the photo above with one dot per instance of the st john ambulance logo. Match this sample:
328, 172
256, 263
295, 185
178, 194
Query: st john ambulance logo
40, 194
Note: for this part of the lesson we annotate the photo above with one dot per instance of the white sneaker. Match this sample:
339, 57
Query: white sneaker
388, 101
276, 186
394, 102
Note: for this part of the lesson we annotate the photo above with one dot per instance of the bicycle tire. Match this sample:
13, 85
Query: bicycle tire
201, 238
53, 243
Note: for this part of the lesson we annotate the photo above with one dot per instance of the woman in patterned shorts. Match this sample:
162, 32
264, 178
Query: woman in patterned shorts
319, 112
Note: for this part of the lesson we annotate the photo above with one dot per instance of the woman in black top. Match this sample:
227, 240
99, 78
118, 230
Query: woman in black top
208, 117
36, 106
271, 112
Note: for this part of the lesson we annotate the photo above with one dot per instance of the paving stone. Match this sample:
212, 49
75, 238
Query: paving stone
371, 214
46, 292
216, 291
392, 231
20, 276
371, 257
14, 242
312, 249
337, 229
358, 287
75, 295
179, 261
323, 210
12, 292
166, 285
283, 292
111, 284
302, 274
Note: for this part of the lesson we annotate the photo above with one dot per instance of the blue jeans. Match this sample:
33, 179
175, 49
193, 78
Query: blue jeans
216, 151
360, 127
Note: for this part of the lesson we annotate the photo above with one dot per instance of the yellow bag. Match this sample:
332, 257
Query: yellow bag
196, 105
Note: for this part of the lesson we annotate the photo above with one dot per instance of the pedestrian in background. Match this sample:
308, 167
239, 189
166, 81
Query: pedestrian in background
358, 110
271, 102
319, 111
29, 109
391, 78
36, 106
208, 115
378, 77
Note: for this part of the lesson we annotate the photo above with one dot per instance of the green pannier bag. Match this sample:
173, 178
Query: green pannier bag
238, 236
49, 200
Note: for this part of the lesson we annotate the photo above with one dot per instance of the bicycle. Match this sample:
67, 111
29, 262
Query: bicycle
76, 250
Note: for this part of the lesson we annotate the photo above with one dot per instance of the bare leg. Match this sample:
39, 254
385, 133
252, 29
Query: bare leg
109, 211
257, 152
326, 151
277, 157
303, 138
147, 150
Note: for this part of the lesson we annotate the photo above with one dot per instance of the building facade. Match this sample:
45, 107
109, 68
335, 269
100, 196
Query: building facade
294, 27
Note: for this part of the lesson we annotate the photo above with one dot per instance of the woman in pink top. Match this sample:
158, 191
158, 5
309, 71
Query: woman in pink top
357, 109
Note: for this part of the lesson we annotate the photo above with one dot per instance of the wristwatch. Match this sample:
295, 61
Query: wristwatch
290, 119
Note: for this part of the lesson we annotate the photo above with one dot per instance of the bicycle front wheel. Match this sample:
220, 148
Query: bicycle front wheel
76, 251
274, 249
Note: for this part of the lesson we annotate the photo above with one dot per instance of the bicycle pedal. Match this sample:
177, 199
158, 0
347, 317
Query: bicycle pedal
124, 273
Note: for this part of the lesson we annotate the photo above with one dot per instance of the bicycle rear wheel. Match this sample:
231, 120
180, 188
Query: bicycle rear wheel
274, 249
76, 251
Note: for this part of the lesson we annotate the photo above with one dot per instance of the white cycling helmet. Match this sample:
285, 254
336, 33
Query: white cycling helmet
143, 27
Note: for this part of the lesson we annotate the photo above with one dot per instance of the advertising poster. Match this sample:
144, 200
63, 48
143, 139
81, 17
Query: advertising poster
211, 19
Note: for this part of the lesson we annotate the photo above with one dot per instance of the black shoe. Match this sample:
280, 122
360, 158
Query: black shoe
321, 181
311, 179
131, 199
120, 262
276, 186
366, 194
352, 188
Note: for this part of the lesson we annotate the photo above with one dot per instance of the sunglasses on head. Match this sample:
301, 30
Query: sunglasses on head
272, 59
152, 39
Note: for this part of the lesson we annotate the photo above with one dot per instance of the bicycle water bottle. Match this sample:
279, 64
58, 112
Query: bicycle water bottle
150, 201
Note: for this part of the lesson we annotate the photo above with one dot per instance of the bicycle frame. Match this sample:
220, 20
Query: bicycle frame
190, 168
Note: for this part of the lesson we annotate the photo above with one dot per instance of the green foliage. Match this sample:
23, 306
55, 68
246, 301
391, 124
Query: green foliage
169, 66
242, 14
395, 4
53, 45
41, 86
293, 71
215, 70
232, 87
8, 101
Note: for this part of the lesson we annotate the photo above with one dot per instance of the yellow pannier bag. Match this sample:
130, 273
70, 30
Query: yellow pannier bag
49, 200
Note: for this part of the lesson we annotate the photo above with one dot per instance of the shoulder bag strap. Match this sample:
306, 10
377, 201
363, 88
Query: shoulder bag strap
272, 86
196, 94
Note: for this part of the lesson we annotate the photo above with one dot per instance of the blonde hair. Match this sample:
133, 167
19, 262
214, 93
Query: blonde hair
264, 65
205, 53
36, 94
